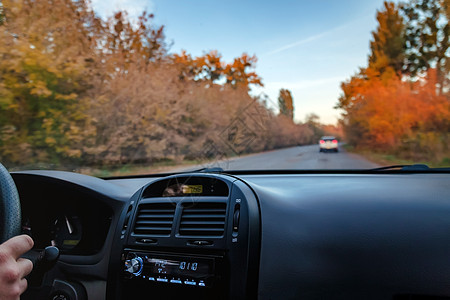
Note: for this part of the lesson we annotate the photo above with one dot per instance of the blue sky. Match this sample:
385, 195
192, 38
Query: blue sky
308, 47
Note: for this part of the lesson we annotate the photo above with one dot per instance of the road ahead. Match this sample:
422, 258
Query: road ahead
302, 157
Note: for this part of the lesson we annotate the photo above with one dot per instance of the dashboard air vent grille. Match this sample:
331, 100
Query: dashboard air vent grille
203, 219
154, 219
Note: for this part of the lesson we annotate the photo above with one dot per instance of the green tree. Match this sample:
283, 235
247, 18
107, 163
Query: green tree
427, 38
285, 103
388, 43
44, 73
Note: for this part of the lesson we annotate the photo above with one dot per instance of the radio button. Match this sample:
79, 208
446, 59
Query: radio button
190, 282
176, 281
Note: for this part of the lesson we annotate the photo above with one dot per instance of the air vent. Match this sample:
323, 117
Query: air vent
154, 219
203, 219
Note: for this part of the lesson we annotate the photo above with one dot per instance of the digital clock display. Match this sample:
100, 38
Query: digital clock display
187, 268
181, 189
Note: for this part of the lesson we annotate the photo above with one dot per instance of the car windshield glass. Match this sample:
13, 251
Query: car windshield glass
115, 87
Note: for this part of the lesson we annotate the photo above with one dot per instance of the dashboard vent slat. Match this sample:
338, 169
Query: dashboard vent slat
156, 211
187, 223
203, 219
155, 216
159, 223
154, 219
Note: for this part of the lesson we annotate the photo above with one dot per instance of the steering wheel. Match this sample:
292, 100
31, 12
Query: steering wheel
10, 215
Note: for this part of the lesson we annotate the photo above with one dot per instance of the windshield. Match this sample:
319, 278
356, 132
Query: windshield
148, 86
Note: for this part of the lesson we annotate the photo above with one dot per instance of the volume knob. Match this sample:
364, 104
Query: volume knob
134, 266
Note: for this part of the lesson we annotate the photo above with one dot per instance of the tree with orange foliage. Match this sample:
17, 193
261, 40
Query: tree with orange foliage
212, 69
386, 110
239, 72
390, 112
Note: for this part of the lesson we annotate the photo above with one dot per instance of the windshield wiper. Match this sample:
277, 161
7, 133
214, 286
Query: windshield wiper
415, 167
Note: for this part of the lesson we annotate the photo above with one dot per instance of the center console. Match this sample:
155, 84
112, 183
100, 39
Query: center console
190, 237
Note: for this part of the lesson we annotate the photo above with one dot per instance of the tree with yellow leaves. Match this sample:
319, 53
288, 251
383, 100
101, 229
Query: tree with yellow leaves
45, 55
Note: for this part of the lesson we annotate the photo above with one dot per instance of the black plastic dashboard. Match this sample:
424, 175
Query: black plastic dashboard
246, 236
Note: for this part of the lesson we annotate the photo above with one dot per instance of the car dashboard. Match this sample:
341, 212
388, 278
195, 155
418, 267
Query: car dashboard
279, 235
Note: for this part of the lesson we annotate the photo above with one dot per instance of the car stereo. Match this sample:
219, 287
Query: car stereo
181, 270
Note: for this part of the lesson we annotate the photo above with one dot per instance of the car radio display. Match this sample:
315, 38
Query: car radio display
170, 269
191, 269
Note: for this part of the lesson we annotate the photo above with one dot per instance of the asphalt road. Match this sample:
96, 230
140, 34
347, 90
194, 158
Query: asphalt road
301, 157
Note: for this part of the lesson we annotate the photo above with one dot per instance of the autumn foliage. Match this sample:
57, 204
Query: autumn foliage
386, 114
387, 107
78, 90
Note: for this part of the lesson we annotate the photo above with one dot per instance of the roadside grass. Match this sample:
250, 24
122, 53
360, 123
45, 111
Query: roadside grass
386, 159
162, 166
165, 166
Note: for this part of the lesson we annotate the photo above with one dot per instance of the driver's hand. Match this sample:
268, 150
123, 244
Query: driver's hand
13, 268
